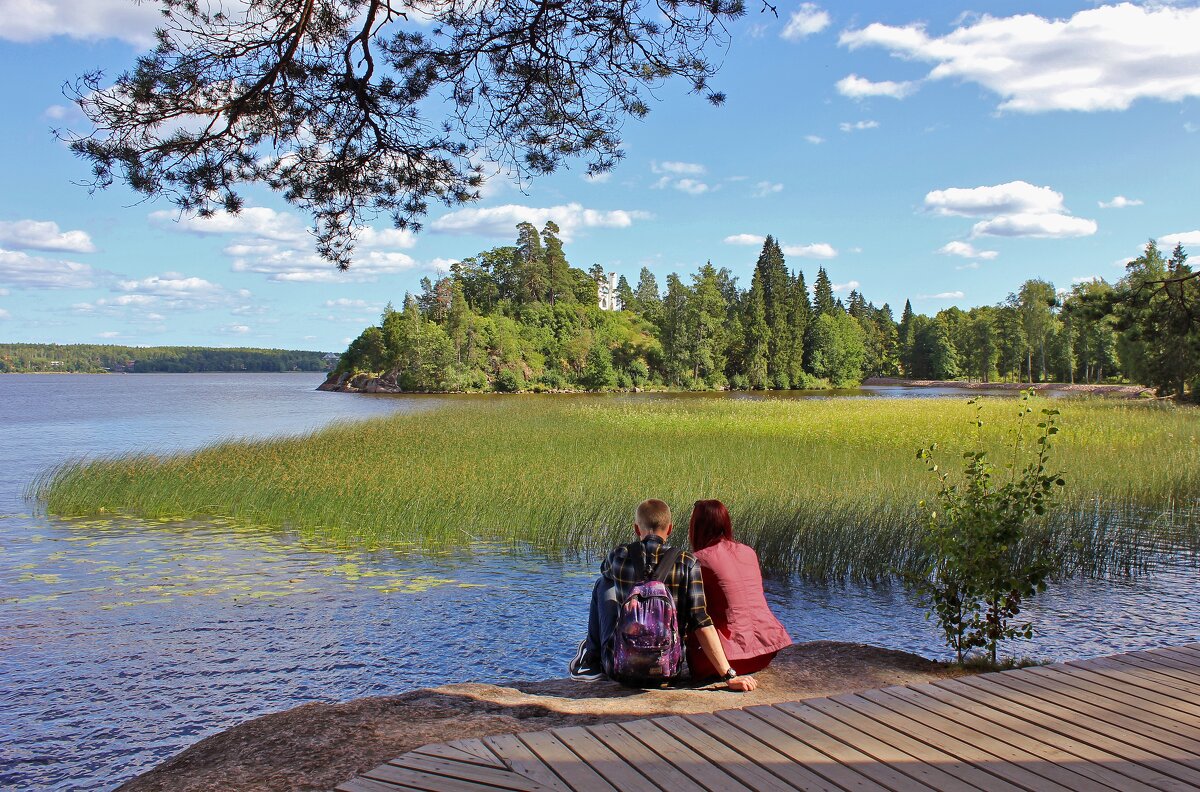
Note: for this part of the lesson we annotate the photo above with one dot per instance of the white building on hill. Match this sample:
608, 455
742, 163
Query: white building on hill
607, 292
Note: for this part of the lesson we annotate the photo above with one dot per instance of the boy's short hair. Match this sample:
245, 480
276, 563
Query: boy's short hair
653, 515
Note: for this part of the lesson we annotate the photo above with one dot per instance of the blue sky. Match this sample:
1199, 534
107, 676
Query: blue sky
941, 152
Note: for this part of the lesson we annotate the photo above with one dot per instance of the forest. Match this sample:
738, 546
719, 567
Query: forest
100, 358
520, 317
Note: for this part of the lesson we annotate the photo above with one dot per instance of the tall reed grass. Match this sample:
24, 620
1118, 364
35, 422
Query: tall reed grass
828, 489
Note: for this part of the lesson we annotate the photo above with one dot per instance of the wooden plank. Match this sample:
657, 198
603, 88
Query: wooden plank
1007, 738
946, 762
1165, 707
566, 765
1142, 683
683, 759
612, 766
1135, 720
479, 750
802, 754
423, 780
360, 784
729, 760
1183, 654
1158, 679
471, 772
517, 756
759, 748
619, 741
1077, 736
1182, 663
454, 754
925, 775
850, 756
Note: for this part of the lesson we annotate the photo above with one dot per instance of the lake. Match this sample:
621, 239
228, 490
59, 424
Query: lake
124, 641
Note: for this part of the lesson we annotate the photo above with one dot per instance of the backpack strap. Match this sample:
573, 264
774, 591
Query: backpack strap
666, 562
636, 552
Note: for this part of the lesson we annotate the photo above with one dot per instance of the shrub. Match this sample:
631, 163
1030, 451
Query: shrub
508, 381
985, 561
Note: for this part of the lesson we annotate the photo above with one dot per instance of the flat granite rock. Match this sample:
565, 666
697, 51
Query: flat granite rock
317, 746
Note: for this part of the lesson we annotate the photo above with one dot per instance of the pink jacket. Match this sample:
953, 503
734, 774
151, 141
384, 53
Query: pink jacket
734, 590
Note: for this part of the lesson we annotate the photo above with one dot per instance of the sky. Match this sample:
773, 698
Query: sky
937, 152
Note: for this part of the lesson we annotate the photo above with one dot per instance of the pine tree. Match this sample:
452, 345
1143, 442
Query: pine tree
647, 300
799, 319
625, 294
755, 346
905, 340
558, 271
533, 280
673, 329
823, 302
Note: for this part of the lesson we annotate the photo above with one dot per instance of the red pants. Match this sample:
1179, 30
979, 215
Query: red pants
702, 669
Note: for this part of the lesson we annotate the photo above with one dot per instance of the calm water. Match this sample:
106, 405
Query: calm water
122, 642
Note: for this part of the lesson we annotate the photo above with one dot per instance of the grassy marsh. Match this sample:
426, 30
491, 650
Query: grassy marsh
826, 488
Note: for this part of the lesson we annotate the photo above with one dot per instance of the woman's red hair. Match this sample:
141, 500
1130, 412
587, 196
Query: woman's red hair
710, 524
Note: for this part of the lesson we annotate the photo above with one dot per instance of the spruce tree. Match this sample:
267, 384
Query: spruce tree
823, 302
533, 280
647, 299
905, 339
706, 328
799, 318
756, 335
673, 326
625, 294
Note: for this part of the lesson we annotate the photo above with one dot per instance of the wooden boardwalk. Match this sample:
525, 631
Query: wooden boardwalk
1128, 722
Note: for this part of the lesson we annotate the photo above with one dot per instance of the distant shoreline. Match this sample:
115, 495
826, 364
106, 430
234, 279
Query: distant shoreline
1128, 391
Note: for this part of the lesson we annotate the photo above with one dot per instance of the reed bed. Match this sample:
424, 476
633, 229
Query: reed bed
824, 488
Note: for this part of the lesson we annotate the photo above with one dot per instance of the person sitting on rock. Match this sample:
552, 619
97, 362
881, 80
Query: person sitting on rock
646, 600
733, 589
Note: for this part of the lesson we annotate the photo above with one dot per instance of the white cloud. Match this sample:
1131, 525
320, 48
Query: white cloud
816, 140
37, 20
256, 221
442, 264
1016, 197
292, 265
108, 334
4, 315
234, 329
1120, 202
1189, 127
809, 19
1184, 238
857, 87
745, 239
817, 250
946, 295
175, 289
970, 265
845, 287
1014, 209
1041, 226
43, 235
23, 271
967, 250
1101, 58
597, 178
368, 238
691, 186
678, 168
765, 188
1086, 279
501, 221
346, 302
857, 126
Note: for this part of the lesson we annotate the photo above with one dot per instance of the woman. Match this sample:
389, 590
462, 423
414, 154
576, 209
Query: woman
750, 634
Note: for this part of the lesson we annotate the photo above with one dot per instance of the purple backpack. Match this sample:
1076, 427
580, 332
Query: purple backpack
646, 646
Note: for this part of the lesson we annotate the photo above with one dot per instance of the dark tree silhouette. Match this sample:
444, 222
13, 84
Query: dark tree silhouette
354, 108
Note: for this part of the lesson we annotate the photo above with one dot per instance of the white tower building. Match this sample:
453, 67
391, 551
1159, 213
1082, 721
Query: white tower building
607, 292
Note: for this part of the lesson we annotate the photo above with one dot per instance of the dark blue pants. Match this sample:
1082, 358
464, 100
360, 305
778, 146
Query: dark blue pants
602, 620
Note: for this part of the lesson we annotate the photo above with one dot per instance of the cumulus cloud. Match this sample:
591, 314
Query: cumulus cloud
4, 315
967, 250
691, 186
1184, 238
857, 87
1101, 58
256, 221
1086, 279
804, 22
43, 235
235, 329
816, 140
37, 20
23, 271
845, 287
817, 250
946, 295
678, 168
745, 239
1014, 209
765, 188
292, 265
1120, 202
147, 299
499, 221
857, 126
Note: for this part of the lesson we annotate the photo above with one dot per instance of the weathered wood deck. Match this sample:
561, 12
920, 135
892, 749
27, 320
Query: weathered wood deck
1127, 722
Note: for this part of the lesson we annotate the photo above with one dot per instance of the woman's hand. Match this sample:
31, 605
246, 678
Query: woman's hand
743, 684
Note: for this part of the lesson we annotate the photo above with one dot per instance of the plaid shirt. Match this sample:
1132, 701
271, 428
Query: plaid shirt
684, 581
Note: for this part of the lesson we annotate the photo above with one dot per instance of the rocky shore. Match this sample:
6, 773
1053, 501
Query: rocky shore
317, 746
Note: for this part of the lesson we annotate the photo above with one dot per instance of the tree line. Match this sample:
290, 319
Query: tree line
99, 358
521, 317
